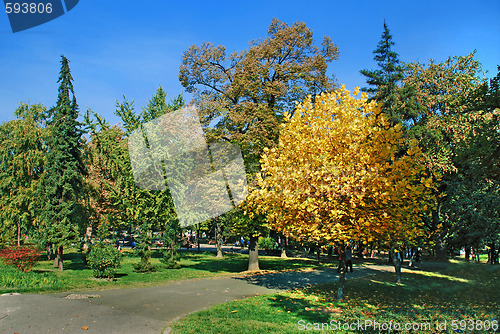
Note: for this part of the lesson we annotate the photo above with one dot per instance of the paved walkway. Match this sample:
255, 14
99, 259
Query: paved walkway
145, 310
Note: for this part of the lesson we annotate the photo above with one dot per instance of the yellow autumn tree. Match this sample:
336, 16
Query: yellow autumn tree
339, 175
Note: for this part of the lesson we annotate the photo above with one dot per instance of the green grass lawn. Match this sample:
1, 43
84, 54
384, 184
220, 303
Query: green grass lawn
77, 276
465, 295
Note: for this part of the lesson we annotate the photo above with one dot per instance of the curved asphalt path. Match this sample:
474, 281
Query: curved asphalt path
146, 310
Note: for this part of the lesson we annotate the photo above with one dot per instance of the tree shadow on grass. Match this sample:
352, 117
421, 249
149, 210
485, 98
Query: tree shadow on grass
288, 280
300, 308
75, 264
208, 262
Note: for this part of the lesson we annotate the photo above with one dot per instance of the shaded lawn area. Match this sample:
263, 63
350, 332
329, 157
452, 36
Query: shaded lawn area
77, 276
465, 295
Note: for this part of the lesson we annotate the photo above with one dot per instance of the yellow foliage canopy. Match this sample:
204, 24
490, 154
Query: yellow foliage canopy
338, 174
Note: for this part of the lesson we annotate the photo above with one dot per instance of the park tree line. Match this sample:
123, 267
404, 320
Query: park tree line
411, 162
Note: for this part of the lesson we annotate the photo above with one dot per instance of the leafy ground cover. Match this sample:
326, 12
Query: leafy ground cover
457, 298
77, 276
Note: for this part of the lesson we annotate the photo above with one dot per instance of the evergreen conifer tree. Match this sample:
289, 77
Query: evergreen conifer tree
62, 182
383, 81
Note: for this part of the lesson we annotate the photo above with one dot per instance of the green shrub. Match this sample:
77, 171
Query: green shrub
170, 264
144, 266
169, 261
104, 260
267, 243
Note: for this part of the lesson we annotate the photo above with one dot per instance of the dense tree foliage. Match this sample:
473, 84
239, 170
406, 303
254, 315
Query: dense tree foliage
22, 157
335, 176
116, 200
242, 96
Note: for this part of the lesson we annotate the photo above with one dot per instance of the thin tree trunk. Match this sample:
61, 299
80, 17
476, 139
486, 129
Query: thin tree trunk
56, 256
330, 253
49, 252
467, 253
318, 254
198, 237
19, 232
218, 238
441, 251
60, 258
412, 257
283, 247
397, 260
342, 266
172, 248
253, 254
492, 254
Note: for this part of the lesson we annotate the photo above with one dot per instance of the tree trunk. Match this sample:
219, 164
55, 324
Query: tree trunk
253, 254
467, 253
49, 252
60, 258
397, 261
218, 238
492, 254
312, 250
56, 257
198, 237
342, 267
283, 245
359, 252
412, 257
330, 253
19, 232
172, 248
441, 251
318, 254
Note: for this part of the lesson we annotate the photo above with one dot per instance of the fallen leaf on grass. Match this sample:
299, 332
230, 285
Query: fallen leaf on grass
336, 310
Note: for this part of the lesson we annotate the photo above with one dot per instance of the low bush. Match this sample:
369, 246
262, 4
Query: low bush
170, 262
144, 266
22, 257
267, 243
104, 260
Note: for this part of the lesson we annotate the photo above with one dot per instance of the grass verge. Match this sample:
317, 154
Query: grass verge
461, 298
77, 276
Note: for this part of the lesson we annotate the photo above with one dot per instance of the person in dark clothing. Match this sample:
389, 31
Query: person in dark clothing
348, 260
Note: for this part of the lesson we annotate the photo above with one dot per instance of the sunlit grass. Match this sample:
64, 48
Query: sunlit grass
462, 291
77, 276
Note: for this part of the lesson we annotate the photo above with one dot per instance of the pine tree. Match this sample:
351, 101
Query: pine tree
64, 169
383, 82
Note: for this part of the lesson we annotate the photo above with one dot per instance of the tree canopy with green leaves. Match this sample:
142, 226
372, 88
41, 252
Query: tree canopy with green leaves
22, 158
242, 96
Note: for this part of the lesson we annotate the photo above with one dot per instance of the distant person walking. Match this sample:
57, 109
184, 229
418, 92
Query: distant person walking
348, 260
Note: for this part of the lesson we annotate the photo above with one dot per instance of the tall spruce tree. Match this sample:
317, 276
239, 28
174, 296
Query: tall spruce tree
384, 81
64, 169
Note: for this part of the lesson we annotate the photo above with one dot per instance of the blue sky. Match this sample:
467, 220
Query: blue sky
130, 48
